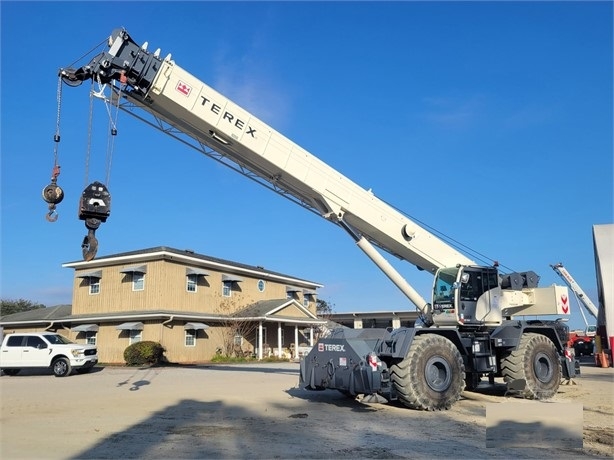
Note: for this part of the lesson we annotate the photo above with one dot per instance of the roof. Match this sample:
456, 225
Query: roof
270, 309
40, 314
62, 314
189, 257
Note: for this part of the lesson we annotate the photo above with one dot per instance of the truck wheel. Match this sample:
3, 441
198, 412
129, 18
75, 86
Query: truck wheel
537, 362
61, 367
431, 377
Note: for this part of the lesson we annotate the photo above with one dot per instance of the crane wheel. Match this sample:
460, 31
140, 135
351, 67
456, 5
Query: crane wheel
431, 377
537, 362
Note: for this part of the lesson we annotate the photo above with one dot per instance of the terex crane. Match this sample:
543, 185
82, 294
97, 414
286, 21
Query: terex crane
469, 329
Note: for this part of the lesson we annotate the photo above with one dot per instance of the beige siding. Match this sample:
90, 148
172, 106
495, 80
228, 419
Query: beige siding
165, 288
292, 311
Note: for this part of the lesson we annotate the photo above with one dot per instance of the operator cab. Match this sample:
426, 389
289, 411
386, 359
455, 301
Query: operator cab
458, 295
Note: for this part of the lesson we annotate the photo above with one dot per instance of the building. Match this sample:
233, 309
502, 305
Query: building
193, 304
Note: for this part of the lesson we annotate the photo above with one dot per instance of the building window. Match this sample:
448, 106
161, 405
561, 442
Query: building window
190, 338
90, 338
94, 285
306, 300
138, 281
135, 336
227, 288
192, 281
261, 285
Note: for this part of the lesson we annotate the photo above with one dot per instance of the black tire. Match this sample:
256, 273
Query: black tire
61, 367
431, 377
11, 372
537, 362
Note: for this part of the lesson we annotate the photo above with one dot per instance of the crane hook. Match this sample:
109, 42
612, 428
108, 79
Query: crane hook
94, 209
53, 194
89, 246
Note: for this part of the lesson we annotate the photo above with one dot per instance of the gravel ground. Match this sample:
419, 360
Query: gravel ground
257, 411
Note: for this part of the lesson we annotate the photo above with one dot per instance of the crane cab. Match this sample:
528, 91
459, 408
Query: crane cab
466, 296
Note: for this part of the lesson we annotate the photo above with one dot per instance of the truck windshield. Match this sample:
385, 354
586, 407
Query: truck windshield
57, 339
442, 289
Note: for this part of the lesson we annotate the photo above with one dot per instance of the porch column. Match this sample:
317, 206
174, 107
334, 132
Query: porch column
296, 341
260, 340
311, 336
279, 340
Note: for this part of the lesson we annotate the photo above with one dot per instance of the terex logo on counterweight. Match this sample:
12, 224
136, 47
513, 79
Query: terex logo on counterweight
330, 347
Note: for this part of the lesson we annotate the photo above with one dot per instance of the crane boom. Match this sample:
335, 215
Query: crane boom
173, 95
167, 91
464, 293
575, 287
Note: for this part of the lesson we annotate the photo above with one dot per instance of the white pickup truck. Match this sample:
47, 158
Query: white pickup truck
45, 349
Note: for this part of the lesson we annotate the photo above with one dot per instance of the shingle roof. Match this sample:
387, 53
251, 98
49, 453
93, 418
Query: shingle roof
40, 314
190, 253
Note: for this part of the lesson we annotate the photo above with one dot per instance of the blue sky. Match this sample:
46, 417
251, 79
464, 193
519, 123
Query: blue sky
489, 121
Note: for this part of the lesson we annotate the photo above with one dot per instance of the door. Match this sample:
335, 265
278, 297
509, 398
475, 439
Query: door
11, 351
35, 352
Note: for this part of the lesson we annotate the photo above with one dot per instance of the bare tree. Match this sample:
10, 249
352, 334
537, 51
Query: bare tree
235, 329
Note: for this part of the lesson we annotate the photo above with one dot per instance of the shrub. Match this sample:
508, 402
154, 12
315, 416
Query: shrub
146, 352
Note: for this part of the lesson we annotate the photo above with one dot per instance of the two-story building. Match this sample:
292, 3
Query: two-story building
193, 304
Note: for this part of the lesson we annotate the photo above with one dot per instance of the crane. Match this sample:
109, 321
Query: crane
575, 287
581, 297
471, 324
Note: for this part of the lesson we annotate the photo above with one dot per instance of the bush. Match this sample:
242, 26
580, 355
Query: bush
146, 352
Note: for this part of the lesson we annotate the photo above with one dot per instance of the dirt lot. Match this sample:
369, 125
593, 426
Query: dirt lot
257, 411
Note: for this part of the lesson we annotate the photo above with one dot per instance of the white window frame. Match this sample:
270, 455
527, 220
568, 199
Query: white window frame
91, 337
226, 288
138, 278
306, 300
94, 285
261, 285
191, 283
190, 337
135, 336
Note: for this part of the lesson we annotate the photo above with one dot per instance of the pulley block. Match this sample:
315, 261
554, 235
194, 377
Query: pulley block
95, 203
94, 208
53, 194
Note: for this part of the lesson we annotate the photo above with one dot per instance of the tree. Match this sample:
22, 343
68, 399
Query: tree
10, 306
324, 308
235, 328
